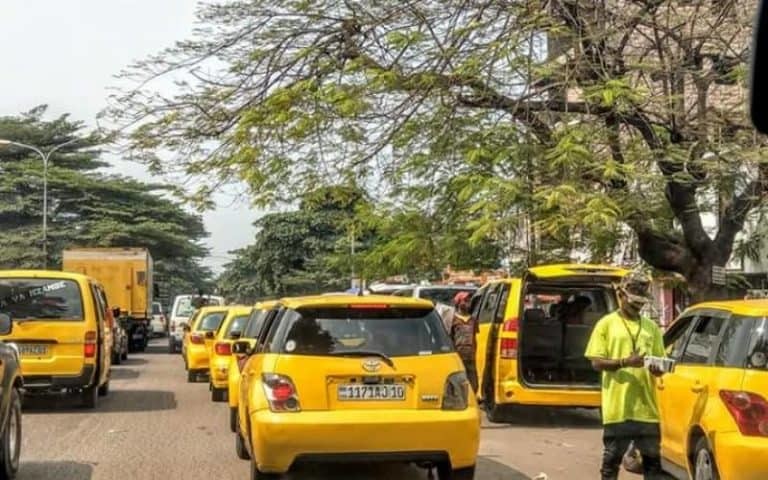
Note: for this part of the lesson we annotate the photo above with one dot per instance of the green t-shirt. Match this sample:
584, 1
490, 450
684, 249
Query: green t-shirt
627, 393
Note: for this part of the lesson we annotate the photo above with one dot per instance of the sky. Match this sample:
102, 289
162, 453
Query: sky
64, 53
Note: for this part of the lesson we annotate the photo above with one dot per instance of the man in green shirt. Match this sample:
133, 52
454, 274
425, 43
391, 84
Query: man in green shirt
617, 348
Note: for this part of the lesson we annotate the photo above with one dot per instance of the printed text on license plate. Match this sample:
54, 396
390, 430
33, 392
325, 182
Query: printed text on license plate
372, 392
33, 350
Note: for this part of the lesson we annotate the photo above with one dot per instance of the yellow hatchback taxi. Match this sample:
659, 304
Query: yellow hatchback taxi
198, 340
62, 329
247, 342
349, 378
714, 405
534, 332
231, 329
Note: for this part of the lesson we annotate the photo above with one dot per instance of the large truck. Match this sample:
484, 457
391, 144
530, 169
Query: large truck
127, 277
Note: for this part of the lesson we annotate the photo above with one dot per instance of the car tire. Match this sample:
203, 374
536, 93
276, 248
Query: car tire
704, 465
240, 450
233, 419
256, 474
104, 389
445, 472
218, 394
124, 355
10, 448
89, 397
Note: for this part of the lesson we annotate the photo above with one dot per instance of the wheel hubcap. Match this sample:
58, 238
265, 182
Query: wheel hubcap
704, 470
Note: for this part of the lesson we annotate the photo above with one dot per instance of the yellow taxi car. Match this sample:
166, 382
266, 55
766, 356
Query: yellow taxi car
371, 378
533, 334
714, 404
198, 340
63, 331
252, 330
218, 370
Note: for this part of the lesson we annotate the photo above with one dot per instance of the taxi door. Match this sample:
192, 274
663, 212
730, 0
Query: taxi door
252, 369
683, 394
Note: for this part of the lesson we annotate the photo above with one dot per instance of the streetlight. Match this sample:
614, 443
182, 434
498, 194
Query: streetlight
45, 156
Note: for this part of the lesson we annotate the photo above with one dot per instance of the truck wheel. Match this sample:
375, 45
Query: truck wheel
10, 448
89, 396
104, 389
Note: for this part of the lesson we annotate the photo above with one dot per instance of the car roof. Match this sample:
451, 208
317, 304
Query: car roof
568, 269
215, 308
233, 310
448, 287
752, 308
266, 304
52, 274
344, 300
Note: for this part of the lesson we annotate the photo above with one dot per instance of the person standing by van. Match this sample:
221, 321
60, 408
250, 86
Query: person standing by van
617, 348
463, 330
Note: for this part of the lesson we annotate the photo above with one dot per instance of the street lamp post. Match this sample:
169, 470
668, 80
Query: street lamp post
45, 156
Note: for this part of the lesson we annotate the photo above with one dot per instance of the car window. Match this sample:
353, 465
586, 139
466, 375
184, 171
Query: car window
734, 342
488, 307
704, 338
502, 304
41, 298
156, 309
758, 344
184, 307
210, 322
391, 331
269, 333
255, 323
236, 325
403, 293
676, 336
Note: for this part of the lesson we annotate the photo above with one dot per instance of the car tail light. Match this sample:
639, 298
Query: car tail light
223, 348
197, 338
508, 346
456, 393
89, 348
281, 393
749, 410
511, 325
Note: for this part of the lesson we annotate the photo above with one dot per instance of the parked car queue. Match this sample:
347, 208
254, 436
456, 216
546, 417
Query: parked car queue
303, 363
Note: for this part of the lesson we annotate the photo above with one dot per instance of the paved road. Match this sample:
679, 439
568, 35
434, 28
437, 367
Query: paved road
154, 425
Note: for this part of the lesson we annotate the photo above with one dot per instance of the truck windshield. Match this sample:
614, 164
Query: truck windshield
41, 299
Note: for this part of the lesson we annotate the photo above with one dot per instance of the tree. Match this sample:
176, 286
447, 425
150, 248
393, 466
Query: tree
87, 208
568, 121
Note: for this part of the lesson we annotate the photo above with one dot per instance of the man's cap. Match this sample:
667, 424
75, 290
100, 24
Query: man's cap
461, 297
636, 285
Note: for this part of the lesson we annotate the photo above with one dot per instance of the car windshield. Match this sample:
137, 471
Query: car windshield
41, 299
442, 295
211, 321
236, 325
388, 331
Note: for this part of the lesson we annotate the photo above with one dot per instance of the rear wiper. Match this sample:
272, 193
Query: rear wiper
366, 353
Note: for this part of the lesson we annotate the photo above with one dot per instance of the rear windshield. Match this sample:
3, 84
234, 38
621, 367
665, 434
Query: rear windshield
236, 325
185, 308
156, 309
41, 298
443, 295
210, 322
391, 331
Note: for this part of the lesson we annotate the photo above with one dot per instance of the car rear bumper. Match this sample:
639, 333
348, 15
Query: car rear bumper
219, 372
197, 358
513, 392
280, 439
43, 383
741, 457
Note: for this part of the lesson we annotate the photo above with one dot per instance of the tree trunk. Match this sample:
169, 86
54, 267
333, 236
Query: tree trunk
700, 286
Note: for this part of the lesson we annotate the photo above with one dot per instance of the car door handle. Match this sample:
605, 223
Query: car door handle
697, 388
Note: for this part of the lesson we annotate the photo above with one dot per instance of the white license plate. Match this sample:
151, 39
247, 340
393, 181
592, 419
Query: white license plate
354, 391
33, 350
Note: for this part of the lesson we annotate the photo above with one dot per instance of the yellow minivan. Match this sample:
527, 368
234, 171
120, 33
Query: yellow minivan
231, 329
198, 340
372, 378
714, 404
62, 330
533, 334
247, 342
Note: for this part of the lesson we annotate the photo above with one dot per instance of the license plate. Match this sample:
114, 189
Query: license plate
33, 350
395, 391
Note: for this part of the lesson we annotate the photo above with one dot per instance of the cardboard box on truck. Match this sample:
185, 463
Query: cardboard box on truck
125, 273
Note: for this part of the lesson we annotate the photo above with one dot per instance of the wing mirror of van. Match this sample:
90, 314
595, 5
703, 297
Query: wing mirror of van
210, 335
6, 324
759, 75
241, 348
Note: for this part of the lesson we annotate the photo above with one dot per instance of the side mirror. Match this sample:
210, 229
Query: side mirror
759, 75
185, 327
235, 335
116, 312
6, 325
241, 348
210, 335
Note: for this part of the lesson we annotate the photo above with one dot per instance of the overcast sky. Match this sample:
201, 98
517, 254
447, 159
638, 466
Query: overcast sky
64, 53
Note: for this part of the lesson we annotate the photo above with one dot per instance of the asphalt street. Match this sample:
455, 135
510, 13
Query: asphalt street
155, 425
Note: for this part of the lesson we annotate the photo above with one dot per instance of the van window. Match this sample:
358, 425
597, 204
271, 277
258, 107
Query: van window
184, 307
41, 298
392, 332
703, 339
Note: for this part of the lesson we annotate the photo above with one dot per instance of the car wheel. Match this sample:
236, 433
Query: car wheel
704, 466
233, 419
11, 440
256, 474
104, 389
89, 396
218, 394
242, 452
124, 356
445, 472
117, 359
